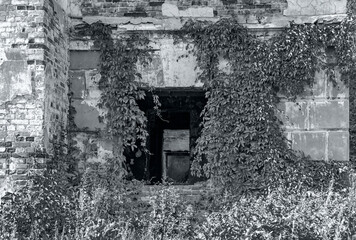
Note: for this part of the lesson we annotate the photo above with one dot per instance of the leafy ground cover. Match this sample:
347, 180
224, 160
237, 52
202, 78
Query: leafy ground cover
100, 209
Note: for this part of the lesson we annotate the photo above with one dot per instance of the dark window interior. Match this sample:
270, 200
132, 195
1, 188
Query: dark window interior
180, 110
169, 120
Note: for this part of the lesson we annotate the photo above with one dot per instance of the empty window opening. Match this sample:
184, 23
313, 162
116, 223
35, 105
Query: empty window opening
172, 137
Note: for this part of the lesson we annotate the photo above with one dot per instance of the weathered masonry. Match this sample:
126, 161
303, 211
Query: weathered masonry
42, 63
34, 65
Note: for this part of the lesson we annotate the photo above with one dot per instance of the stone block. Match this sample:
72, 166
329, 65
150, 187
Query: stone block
197, 12
311, 143
77, 83
317, 7
338, 146
170, 10
81, 45
329, 114
86, 116
84, 60
294, 115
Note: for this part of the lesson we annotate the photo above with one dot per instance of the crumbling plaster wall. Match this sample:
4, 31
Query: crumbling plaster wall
33, 84
163, 71
317, 123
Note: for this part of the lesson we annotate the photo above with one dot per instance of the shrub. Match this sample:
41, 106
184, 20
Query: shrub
170, 216
281, 215
46, 210
108, 211
307, 200
39, 210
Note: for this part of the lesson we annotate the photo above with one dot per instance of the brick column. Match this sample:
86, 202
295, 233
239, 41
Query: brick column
33, 84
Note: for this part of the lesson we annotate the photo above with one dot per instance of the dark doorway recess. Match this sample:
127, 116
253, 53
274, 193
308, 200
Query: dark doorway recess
172, 136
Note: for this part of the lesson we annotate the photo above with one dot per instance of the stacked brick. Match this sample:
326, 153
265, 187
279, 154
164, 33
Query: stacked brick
28, 59
153, 8
56, 58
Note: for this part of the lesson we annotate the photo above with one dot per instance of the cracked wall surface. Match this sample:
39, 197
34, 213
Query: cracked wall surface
315, 7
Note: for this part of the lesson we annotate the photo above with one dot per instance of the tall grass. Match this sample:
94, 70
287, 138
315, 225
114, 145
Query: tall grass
107, 212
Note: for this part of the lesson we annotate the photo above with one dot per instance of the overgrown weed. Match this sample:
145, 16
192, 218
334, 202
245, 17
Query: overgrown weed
100, 212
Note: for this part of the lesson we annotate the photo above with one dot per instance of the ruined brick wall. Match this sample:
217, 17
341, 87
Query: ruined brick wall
317, 123
56, 59
34, 66
33, 61
251, 11
184, 8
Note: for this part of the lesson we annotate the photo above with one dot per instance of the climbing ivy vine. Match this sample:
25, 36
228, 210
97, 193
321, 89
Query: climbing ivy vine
120, 91
242, 141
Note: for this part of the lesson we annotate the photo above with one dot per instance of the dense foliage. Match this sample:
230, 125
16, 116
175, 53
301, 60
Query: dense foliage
120, 91
103, 213
242, 140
